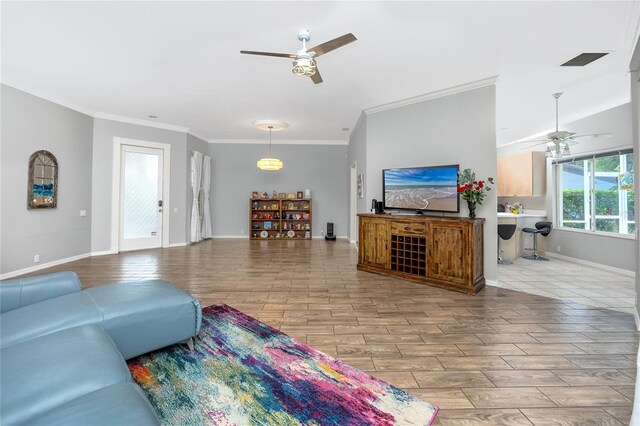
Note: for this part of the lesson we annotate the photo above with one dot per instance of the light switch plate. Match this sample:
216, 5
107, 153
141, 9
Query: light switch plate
83, 213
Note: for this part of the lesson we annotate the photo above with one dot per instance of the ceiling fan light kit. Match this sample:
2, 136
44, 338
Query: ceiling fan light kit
304, 61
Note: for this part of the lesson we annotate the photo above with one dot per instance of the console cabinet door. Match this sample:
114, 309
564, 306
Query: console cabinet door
448, 247
375, 242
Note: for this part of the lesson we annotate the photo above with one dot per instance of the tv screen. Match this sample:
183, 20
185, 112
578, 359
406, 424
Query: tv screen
422, 188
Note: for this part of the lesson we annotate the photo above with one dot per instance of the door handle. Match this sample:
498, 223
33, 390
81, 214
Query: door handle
160, 206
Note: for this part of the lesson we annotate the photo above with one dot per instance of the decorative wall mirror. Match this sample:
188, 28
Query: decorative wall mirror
42, 192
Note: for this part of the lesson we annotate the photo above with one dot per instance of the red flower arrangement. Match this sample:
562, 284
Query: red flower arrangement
472, 191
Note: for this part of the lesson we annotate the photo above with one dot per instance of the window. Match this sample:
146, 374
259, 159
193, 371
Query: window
596, 193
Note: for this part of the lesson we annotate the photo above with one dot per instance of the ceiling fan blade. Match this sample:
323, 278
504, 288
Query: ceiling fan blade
316, 78
593, 135
330, 45
278, 55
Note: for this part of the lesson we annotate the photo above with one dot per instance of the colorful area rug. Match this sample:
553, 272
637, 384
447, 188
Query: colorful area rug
243, 372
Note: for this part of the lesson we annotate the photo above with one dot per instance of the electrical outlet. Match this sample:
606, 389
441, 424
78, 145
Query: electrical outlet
558, 249
36, 258
322, 233
83, 213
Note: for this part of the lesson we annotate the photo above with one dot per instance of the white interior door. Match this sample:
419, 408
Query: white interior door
353, 220
141, 210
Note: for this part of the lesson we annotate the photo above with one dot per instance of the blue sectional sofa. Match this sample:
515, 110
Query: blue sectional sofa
63, 350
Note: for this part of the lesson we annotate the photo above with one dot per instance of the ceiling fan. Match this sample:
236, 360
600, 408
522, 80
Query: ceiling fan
558, 142
304, 63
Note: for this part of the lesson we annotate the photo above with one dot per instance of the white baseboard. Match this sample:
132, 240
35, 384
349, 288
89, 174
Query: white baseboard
43, 266
230, 236
620, 271
491, 282
179, 244
635, 317
338, 237
103, 253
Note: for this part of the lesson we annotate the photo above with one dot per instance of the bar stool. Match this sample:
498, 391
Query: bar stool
505, 232
542, 228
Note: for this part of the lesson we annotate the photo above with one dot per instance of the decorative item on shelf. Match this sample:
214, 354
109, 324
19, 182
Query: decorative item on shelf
275, 195
254, 195
264, 234
278, 235
291, 234
267, 225
264, 195
275, 206
305, 207
307, 193
254, 205
299, 195
472, 191
270, 163
291, 206
291, 196
282, 195
255, 226
307, 234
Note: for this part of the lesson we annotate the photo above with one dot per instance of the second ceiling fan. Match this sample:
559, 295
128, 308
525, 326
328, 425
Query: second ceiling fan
304, 63
558, 142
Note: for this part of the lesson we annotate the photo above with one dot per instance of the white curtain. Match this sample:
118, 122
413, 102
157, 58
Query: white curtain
207, 232
196, 180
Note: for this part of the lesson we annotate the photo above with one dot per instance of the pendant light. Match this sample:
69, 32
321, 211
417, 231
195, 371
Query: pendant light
270, 163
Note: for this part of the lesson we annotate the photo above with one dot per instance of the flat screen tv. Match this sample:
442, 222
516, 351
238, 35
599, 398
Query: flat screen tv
422, 189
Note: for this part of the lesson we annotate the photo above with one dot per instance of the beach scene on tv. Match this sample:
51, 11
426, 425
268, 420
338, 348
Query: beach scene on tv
421, 189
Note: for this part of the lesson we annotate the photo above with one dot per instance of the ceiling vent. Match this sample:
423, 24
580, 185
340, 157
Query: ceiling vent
583, 59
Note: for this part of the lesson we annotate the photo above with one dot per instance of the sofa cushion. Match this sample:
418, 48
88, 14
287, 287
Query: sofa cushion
19, 292
43, 373
142, 316
120, 404
39, 319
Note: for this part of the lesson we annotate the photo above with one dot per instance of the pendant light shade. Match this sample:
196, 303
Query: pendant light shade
269, 163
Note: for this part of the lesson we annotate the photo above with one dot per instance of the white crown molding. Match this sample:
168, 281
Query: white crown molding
355, 128
490, 81
83, 109
140, 122
198, 135
280, 141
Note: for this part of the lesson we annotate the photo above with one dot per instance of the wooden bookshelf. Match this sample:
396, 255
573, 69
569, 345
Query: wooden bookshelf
280, 219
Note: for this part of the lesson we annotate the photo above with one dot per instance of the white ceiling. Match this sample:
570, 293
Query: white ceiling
181, 61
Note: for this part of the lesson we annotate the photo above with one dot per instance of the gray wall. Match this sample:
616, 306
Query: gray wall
611, 251
456, 129
103, 133
357, 153
30, 124
321, 168
193, 144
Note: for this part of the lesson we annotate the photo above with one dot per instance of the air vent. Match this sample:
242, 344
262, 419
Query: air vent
583, 59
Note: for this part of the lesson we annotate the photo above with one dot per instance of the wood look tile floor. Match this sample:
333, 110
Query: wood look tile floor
501, 357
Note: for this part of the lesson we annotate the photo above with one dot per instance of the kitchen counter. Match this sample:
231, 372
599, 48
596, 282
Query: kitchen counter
515, 246
527, 214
